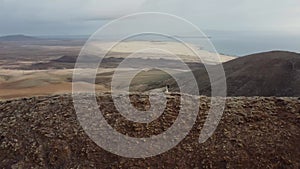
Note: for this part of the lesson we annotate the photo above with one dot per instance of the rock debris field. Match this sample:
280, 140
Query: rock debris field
254, 132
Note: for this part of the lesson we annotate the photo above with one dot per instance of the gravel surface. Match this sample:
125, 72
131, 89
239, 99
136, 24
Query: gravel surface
255, 132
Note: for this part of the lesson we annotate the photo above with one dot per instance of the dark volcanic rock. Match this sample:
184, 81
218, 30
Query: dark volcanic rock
255, 132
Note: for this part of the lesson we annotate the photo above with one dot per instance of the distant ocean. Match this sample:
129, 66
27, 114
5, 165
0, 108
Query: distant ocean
245, 43
236, 43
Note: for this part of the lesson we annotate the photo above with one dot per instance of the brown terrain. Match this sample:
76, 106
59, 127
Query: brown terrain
260, 127
30, 66
255, 132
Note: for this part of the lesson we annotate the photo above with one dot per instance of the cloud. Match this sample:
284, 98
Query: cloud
233, 14
86, 16
60, 10
30, 15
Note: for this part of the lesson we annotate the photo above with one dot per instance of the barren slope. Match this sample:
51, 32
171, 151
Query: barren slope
274, 73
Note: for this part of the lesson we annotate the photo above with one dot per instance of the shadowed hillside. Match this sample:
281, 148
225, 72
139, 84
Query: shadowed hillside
264, 74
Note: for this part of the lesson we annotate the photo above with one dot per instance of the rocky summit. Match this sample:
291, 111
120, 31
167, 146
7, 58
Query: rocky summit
254, 132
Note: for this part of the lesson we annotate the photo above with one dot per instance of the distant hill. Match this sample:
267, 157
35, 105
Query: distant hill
17, 38
275, 73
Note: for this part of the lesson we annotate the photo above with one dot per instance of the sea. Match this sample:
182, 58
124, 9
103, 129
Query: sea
233, 43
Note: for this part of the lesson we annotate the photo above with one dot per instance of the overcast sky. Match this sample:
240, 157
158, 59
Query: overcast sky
83, 17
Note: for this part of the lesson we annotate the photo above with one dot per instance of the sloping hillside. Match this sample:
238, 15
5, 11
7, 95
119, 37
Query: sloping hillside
265, 74
274, 73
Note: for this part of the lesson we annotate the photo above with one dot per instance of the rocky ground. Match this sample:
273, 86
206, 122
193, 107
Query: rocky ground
255, 132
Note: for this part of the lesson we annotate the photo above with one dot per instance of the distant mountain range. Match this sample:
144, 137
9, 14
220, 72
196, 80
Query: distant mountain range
18, 38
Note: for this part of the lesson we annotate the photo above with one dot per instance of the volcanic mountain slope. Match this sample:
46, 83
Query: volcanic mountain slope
265, 74
273, 73
254, 132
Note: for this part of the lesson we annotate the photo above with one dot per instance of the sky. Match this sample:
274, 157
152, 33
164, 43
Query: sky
83, 17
